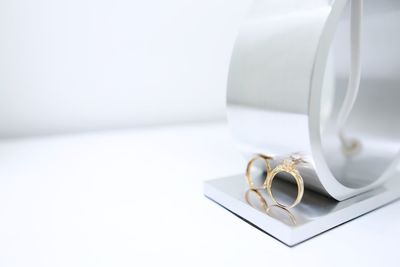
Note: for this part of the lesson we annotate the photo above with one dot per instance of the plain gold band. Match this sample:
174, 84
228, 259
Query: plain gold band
249, 179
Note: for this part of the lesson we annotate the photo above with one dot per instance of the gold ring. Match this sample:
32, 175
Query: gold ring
288, 166
249, 179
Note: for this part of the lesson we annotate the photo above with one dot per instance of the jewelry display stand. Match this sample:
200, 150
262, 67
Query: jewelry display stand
314, 215
317, 79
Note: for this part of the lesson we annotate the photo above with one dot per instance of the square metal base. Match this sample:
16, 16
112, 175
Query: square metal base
314, 215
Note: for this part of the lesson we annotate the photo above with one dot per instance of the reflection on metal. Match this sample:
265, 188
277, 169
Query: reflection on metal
282, 214
352, 146
287, 82
261, 200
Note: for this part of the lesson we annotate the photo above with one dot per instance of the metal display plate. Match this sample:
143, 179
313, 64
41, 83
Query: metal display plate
314, 215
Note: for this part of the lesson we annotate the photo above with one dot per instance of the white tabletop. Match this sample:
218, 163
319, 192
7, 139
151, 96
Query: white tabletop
134, 198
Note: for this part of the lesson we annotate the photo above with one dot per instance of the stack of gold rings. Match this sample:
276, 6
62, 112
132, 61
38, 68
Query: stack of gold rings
287, 166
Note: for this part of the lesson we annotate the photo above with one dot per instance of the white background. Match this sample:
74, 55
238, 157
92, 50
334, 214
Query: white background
80, 65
